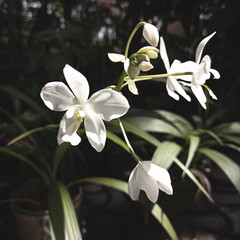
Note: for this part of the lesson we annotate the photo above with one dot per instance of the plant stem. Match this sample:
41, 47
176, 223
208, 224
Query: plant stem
132, 152
156, 76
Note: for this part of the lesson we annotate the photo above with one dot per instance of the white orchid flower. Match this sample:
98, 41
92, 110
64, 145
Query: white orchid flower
149, 177
172, 85
150, 33
105, 105
201, 72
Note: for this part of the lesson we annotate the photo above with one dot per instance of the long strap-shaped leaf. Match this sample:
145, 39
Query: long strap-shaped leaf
122, 186
193, 145
228, 166
63, 217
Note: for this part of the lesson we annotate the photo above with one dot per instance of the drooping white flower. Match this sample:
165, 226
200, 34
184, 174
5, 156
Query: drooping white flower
150, 33
149, 177
173, 86
201, 72
105, 104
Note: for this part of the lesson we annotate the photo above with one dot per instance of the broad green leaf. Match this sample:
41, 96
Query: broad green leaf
150, 124
113, 137
26, 160
63, 217
122, 186
56, 212
193, 178
140, 133
165, 153
193, 145
228, 166
178, 121
18, 94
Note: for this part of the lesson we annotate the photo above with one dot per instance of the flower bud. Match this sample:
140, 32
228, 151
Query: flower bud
151, 35
145, 66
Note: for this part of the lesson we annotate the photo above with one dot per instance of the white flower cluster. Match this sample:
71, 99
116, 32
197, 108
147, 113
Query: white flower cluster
108, 104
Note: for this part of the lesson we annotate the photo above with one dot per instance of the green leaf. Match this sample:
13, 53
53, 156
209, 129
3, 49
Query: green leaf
28, 133
193, 145
232, 138
150, 124
18, 94
228, 166
56, 211
165, 153
59, 154
140, 133
122, 186
26, 160
228, 128
193, 178
113, 137
178, 121
63, 217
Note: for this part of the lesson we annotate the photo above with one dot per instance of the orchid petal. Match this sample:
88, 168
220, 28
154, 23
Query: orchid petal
201, 46
146, 183
163, 54
188, 66
170, 90
116, 57
57, 96
175, 86
133, 189
199, 93
95, 130
145, 66
108, 104
160, 174
215, 73
202, 71
132, 87
77, 82
68, 128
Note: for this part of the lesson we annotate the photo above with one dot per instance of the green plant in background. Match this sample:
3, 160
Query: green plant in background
183, 144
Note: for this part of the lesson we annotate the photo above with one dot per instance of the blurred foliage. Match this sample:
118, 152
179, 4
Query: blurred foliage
37, 38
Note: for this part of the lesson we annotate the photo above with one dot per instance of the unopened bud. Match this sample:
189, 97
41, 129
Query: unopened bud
151, 35
145, 66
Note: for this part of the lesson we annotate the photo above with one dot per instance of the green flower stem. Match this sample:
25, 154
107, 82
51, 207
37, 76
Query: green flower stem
132, 152
121, 81
152, 77
131, 37
123, 75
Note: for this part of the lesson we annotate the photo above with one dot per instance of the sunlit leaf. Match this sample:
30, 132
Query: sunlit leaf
63, 217
165, 153
151, 124
193, 145
226, 164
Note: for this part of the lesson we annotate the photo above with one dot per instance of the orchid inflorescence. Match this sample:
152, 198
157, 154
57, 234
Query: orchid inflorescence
109, 103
